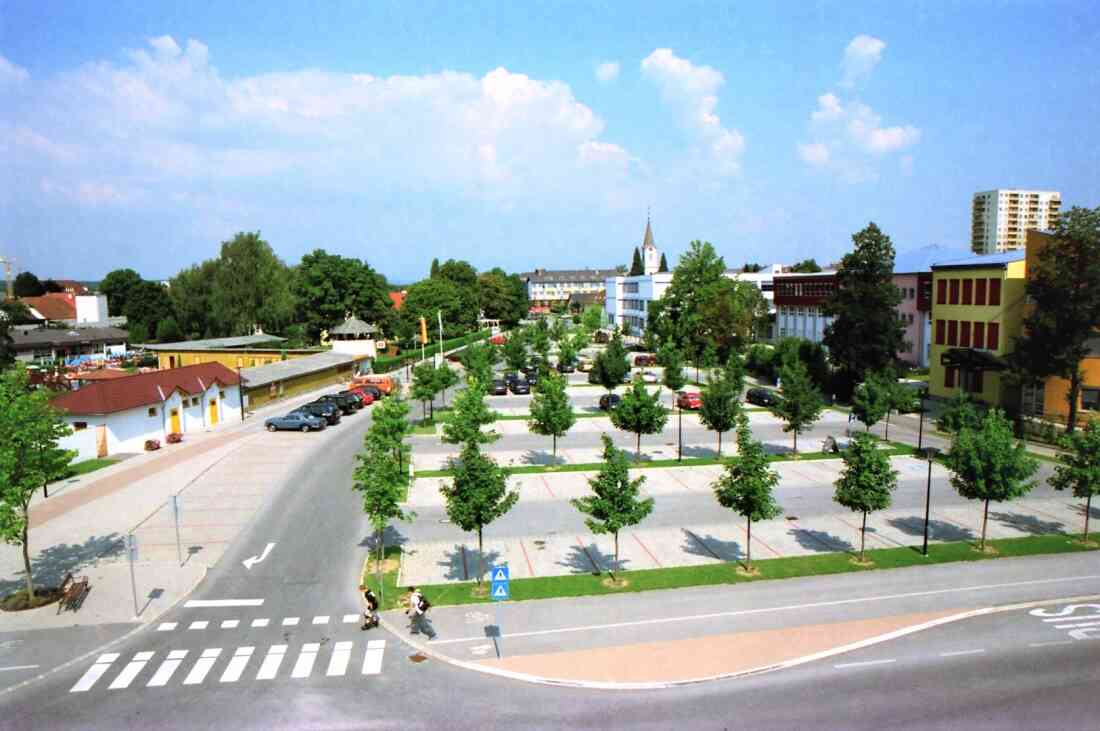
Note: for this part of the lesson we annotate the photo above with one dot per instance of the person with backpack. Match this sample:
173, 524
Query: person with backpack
370, 609
418, 613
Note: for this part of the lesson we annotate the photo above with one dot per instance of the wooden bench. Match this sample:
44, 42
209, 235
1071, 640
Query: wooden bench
73, 591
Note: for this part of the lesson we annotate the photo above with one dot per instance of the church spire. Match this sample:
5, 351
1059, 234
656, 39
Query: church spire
647, 242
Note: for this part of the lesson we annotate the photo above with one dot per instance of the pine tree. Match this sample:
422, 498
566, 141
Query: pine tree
640, 412
551, 411
616, 502
636, 266
866, 482
801, 404
477, 495
1079, 467
434, 273
747, 485
664, 264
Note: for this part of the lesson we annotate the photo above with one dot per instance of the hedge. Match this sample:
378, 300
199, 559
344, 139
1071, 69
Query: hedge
385, 364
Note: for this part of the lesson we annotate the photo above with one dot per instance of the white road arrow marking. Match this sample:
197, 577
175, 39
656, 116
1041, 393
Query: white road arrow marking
481, 649
250, 562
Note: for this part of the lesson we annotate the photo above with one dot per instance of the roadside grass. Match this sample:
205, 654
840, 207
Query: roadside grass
726, 573
388, 592
89, 465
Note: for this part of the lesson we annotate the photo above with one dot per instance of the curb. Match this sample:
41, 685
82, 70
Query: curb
659, 685
98, 650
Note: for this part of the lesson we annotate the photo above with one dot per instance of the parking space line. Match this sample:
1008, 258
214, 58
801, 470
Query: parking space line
547, 485
759, 540
872, 533
530, 567
650, 553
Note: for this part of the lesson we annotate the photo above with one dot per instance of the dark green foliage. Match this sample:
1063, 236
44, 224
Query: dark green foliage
962, 412
730, 315
514, 350
190, 291
721, 402
640, 412
746, 487
328, 287
26, 284
469, 416
867, 481
871, 400
434, 272
251, 288
424, 387
664, 264
477, 495
168, 331
428, 297
611, 366
806, 266
751, 268
551, 411
503, 296
148, 303
812, 355
1079, 467
670, 359
117, 285
636, 265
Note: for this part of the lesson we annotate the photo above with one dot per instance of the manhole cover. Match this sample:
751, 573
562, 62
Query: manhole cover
417, 658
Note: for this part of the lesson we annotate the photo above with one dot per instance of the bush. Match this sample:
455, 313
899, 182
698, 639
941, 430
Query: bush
393, 362
174, 438
962, 412
760, 362
152, 445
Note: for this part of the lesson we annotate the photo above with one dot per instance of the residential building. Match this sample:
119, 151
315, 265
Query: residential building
799, 304
545, 289
245, 351
49, 344
764, 280
977, 311
120, 414
1049, 400
626, 298
913, 278
1000, 219
74, 310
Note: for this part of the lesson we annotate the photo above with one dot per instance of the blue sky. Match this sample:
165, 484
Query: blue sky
528, 135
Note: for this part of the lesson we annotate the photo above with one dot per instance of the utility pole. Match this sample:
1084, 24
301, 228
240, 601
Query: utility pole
8, 263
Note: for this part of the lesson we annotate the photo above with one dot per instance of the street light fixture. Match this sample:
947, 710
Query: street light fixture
680, 419
920, 427
930, 453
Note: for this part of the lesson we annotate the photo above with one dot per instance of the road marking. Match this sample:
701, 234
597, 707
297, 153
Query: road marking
260, 622
211, 603
1052, 642
131, 670
167, 626
290, 621
94, 673
320, 620
230, 623
958, 653
167, 669
530, 568
784, 608
200, 624
18, 667
1077, 624
341, 655
865, 663
304, 666
650, 553
270, 665
372, 661
253, 560
481, 649
236, 665
202, 666
349, 618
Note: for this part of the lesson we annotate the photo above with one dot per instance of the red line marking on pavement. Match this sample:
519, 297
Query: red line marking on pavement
639, 540
547, 485
701, 543
679, 481
530, 568
760, 541
871, 533
465, 571
962, 525
586, 553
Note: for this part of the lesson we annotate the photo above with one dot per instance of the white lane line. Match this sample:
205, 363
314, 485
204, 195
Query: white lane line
18, 667
200, 624
167, 626
167, 669
1073, 625
372, 661
1071, 619
341, 655
131, 670
270, 665
210, 603
230, 623
202, 666
236, 665
304, 666
865, 663
958, 653
765, 610
94, 673
260, 622
349, 618
320, 620
290, 621
1052, 642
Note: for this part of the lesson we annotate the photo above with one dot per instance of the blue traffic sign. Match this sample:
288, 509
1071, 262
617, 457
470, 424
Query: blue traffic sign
498, 573
499, 591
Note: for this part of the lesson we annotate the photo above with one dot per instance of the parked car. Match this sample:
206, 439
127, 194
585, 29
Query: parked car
364, 399
527, 370
609, 401
565, 368
689, 399
533, 379
383, 383
295, 422
520, 387
584, 366
762, 397
650, 377
510, 378
323, 409
374, 391
347, 404
499, 388
645, 360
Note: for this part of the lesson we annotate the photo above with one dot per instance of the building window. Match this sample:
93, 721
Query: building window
221, 394
953, 333
954, 299
153, 411
979, 292
992, 333
940, 332
1090, 399
949, 378
994, 292
80, 425
972, 381
964, 334
968, 291
979, 335
941, 292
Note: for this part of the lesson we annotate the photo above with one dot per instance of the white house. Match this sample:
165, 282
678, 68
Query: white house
124, 412
355, 337
626, 298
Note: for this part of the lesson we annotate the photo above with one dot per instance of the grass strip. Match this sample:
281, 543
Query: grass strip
769, 569
89, 465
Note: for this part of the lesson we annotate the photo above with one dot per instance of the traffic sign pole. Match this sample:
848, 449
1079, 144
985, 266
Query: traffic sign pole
499, 592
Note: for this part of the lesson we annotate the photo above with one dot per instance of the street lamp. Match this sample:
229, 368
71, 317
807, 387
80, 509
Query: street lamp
680, 428
920, 427
930, 453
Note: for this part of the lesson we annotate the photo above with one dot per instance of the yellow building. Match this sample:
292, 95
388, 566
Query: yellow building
248, 351
977, 314
1050, 401
268, 383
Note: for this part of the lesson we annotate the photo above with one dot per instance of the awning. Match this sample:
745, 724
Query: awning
969, 359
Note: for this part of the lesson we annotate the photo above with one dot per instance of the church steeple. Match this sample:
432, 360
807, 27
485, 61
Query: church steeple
651, 257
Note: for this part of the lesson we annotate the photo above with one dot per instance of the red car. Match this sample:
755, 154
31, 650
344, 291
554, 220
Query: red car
689, 400
365, 396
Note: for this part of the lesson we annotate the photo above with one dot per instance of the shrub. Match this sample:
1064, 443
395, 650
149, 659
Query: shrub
174, 438
151, 445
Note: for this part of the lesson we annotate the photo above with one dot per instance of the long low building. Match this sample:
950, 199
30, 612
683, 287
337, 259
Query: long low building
47, 344
283, 379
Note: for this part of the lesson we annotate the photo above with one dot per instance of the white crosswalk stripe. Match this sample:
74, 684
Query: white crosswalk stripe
94, 673
260, 622
290, 621
306, 657
341, 655
236, 665
167, 626
123, 679
231, 623
372, 661
320, 620
349, 618
200, 624
167, 668
202, 666
270, 667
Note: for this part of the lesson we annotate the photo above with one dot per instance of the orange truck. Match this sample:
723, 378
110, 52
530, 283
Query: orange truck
385, 384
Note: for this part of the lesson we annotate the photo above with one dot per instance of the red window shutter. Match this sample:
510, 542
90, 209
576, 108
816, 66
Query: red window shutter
979, 335
941, 292
995, 292
992, 335
964, 334
949, 378
979, 292
954, 292
952, 332
968, 291
940, 332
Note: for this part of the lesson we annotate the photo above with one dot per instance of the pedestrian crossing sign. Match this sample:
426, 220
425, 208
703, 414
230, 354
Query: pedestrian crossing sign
499, 573
499, 591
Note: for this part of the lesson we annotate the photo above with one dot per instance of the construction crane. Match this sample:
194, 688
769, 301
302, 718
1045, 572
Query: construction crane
8, 264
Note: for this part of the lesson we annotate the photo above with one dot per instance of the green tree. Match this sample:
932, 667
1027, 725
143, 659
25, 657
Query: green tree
150, 304
871, 400
137, 332
464, 278
168, 331
540, 339
747, 485
616, 502
478, 359
29, 458
51, 285
503, 296
640, 412
867, 481
328, 287
26, 284
988, 464
557, 330
1079, 467
720, 408
429, 297
117, 285
611, 366
801, 404
636, 266
567, 353
900, 399
445, 377
477, 495
424, 386
251, 288
592, 319
1065, 290
961, 413
381, 483
552, 411
731, 314
390, 426
434, 272
190, 291
515, 350
752, 268
865, 333
806, 266
669, 357
812, 355
664, 264
469, 416
12, 312
693, 278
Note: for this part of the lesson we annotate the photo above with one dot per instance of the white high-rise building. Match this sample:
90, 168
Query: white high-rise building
1000, 219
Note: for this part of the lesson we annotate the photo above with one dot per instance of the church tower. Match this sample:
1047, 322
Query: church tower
651, 258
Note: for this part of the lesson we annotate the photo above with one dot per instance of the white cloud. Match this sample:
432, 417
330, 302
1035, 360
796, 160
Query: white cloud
860, 58
607, 71
693, 91
815, 153
91, 193
10, 73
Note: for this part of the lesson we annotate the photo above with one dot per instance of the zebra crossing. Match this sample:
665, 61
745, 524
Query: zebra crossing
256, 623
233, 665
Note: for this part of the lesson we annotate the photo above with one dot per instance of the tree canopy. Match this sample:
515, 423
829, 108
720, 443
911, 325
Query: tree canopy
118, 285
551, 410
806, 266
801, 404
640, 412
746, 487
26, 284
477, 495
1078, 467
470, 414
251, 288
328, 287
721, 402
867, 481
636, 266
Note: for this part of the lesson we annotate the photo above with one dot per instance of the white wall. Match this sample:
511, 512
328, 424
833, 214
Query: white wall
82, 441
355, 347
91, 308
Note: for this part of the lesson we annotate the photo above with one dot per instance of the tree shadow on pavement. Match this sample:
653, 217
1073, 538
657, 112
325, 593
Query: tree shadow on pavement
710, 547
1028, 523
390, 537
51, 564
463, 565
707, 452
819, 540
544, 459
591, 560
939, 530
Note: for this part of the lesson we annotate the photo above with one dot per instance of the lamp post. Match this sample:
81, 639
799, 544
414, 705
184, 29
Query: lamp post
680, 428
930, 453
920, 427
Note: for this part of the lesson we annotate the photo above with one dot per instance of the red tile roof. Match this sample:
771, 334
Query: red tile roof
100, 374
144, 389
398, 299
53, 305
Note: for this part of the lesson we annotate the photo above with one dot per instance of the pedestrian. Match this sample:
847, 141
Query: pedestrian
370, 609
412, 601
419, 614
